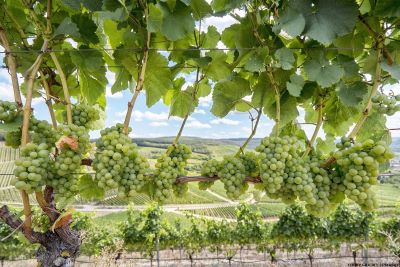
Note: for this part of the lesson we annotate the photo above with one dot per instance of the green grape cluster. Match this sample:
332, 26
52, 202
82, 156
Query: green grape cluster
386, 104
298, 183
273, 154
84, 115
8, 111
117, 162
68, 160
250, 162
31, 169
42, 132
321, 205
13, 139
168, 167
210, 168
232, 174
360, 166
66, 187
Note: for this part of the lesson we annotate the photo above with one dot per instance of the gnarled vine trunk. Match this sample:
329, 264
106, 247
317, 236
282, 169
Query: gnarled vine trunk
58, 252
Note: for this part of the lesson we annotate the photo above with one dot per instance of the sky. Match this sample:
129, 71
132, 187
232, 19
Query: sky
154, 121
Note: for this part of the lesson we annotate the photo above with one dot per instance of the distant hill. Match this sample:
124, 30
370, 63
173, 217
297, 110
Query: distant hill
199, 142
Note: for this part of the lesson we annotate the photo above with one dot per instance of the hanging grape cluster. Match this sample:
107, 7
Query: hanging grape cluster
168, 167
385, 104
210, 168
42, 132
273, 154
86, 116
359, 164
232, 174
8, 111
31, 169
117, 162
250, 162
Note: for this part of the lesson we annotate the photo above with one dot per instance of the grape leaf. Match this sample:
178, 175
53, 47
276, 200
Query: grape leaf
204, 89
200, 9
292, 22
89, 189
218, 69
374, 128
325, 20
289, 110
122, 78
87, 28
352, 94
211, 38
226, 93
338, 117
68, 28
394, 70
295, 85
155, 18
182, 104
157, 79
322, 72
387, 8
178, 23
263, 93
91, 72
285, 58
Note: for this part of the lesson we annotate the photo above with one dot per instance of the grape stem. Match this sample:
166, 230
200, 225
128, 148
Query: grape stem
374, 89
64, 86
253, 131
49, 102
277, 99
12, 67
140, 82
316, 130
196, 86
368, 105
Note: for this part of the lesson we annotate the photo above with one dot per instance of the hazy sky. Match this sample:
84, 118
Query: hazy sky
154, 122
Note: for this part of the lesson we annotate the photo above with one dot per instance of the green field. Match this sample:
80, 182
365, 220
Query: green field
388, 194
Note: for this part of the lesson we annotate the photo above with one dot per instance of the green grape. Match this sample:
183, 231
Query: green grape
32, 168
65, 187
8, 111
42, 132
168, 167
118, 164
250, 161
86, 116
210, 169
13, 139
274, 152
232, 174
69, 160
360, 165
385, 104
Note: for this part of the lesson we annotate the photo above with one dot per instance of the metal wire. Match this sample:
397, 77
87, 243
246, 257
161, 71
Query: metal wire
177, 49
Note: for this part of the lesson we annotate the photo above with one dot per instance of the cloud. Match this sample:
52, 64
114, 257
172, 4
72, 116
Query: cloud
199, 111
111, 95
225, 121
6, 92
195, 124
158, 123
205, 101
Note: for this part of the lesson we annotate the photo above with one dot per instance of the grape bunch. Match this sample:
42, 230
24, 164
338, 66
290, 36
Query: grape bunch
250, 162
13, 139
210, 169
42, 132
273, 154
232, 174
8, 111
321, 204
117, 162
386, 104
360, 166
168, 167
66, 187
85, 115
31, 169
68, 159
